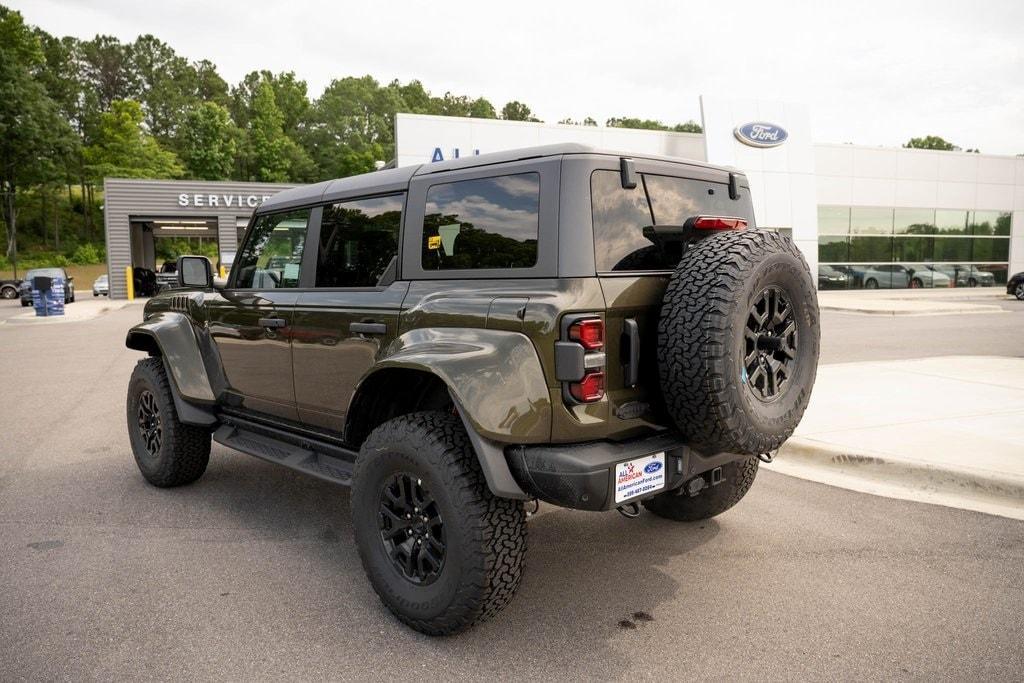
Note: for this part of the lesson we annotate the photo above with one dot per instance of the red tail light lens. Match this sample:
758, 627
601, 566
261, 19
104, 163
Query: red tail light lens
588, 389
719, 223
589, 333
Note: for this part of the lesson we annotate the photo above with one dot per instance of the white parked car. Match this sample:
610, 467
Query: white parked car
101, 285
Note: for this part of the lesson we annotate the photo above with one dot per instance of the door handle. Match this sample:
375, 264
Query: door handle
273, 322
630, 352
368, 328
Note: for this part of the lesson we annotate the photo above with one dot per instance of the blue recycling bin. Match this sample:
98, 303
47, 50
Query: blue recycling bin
48, 295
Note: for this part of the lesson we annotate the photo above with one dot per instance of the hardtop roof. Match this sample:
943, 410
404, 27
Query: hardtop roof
397, 179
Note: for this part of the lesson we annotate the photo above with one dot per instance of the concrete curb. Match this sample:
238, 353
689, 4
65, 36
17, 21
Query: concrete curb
895, 478
891, 312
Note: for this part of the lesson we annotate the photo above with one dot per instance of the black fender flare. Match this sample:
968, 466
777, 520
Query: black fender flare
170, 336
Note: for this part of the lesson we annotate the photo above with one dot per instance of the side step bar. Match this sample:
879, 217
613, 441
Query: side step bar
316, 458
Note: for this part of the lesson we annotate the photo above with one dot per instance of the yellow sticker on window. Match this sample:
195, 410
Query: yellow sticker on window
434, 242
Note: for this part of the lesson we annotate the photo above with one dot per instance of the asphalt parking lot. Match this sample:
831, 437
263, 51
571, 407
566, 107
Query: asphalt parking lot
250, 573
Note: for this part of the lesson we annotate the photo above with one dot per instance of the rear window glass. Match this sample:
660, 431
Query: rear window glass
620, 216
482, 223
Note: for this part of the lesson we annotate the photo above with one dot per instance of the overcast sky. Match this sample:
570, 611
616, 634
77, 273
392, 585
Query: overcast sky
873, 73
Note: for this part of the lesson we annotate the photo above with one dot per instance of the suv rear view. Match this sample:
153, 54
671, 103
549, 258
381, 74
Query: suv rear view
583, 328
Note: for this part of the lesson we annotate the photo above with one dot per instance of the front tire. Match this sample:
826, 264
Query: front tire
168, 452
456, 557
1019, 292
737, 478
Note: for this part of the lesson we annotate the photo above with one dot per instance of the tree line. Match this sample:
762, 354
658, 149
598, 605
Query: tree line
75, 111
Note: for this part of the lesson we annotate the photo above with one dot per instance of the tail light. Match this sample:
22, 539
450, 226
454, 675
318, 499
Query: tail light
590, 388
719, 223
580, 358
588, 333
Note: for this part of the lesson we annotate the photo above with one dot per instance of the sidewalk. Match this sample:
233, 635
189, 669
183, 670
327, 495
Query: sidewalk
81, 309
948, 430
958, 300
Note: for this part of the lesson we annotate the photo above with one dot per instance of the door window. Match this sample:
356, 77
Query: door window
358, 242
272, 257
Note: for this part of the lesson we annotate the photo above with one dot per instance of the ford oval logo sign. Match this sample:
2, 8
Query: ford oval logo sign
760, 134
652, 467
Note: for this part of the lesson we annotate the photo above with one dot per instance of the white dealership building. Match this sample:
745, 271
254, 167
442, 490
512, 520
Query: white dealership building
863, 216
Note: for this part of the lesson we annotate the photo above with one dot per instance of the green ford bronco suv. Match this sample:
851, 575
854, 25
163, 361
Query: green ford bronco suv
583, 328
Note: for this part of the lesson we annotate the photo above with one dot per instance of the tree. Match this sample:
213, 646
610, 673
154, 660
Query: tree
481, 108
210, 87
266, 143
931, 142
652, 124
353, 124
164, 83
209, 142
33, 135
569, 121
124, 149
517, 111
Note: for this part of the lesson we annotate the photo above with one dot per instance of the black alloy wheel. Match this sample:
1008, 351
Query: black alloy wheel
770, 344
411, 529
149, 422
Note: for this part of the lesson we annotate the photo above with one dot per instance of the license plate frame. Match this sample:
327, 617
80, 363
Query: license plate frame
639, 477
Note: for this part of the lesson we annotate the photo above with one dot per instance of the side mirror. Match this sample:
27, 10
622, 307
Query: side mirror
195, 271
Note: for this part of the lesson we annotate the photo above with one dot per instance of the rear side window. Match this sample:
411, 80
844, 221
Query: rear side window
358, 241
482, 223
620, 215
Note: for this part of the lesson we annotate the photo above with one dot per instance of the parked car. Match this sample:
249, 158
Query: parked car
830, 278
9, 289
923, 275
101, 285
25, 288
167, 276
966, 276
450, 345
144, 281
885, 276
1015, 285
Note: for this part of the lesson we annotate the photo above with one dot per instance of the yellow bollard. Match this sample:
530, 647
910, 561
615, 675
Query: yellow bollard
223, 272
130, 282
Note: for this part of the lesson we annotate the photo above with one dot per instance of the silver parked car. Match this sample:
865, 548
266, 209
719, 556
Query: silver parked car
101, 285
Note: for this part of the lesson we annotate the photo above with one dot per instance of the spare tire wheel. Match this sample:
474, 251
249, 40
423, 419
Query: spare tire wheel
738, 342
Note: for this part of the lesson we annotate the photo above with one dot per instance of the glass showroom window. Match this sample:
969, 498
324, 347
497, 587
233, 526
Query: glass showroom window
871, 247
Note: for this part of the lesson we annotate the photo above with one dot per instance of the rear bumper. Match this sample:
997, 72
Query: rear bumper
582, 476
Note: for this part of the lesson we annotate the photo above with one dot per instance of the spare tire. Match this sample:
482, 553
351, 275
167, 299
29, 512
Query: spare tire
738, 342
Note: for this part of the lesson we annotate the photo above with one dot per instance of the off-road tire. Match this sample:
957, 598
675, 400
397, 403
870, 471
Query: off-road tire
701, 341
184, 450
485, 536
737, 478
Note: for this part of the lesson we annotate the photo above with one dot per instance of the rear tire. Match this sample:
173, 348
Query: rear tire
737, 479
1019, 292
871, 283
464, 562
738, 342
167, 452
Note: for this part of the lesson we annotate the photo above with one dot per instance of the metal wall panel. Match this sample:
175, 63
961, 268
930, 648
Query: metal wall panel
124, 198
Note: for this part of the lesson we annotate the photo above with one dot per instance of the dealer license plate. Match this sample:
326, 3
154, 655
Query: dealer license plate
639, 476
